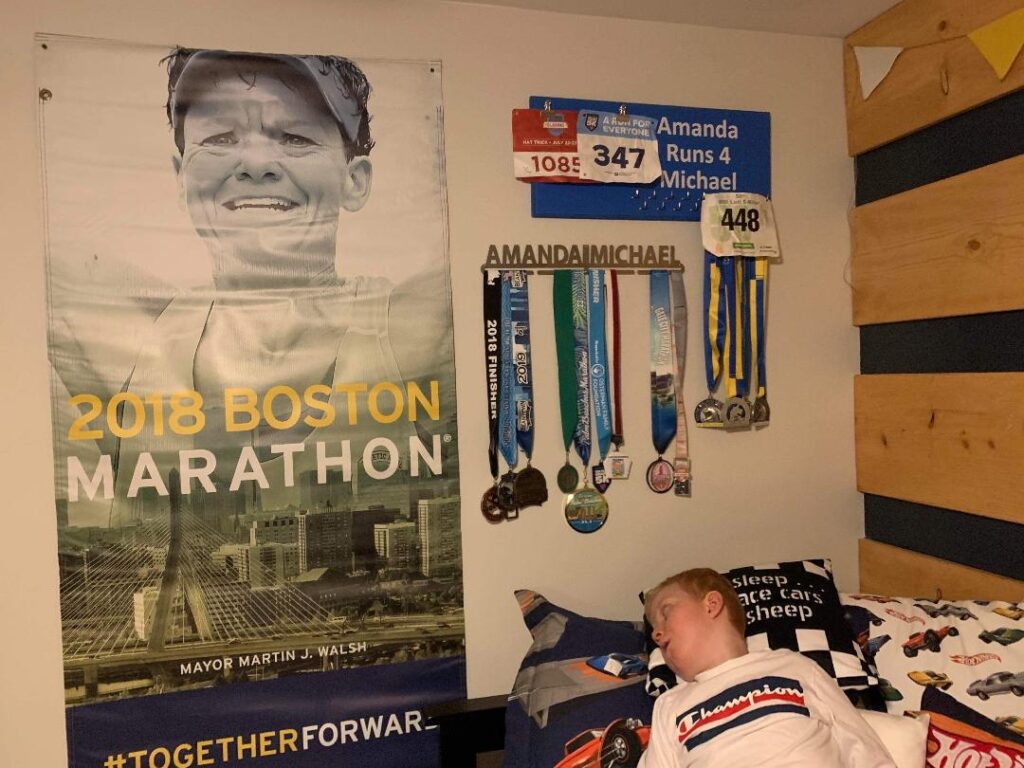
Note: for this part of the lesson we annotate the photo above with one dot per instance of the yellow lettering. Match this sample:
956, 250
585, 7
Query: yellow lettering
203, 752
321, 405
396, 394
77, 431
233, 407
353, 407
266, 748
179, 760
268, 407
416, 396
288, 738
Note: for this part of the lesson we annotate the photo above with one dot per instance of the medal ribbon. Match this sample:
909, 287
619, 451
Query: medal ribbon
714, 321
599, 361
565, 355
581, 352
522, 368
506, 417
682, 448
735, 361
758, 286
618, 437
663, 398
492, 352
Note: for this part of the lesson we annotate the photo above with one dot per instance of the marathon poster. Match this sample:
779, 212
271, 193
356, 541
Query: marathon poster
253, 405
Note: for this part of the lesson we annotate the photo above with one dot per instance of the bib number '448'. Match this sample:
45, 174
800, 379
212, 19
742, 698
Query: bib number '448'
738, 224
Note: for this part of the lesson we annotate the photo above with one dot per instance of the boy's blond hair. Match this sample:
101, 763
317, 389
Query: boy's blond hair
697, 582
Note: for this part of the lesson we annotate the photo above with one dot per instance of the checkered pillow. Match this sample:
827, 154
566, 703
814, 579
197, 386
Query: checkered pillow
795, 605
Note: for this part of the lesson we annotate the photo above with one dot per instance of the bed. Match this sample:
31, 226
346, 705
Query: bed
473, 732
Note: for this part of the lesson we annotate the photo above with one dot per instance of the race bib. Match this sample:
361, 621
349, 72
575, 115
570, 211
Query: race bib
621, 148
738, 224
544, 145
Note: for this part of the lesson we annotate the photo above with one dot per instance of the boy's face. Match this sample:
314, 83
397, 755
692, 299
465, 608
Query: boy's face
681, 624
263, 156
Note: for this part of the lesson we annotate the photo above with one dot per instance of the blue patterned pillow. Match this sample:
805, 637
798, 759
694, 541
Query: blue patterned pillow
579, 691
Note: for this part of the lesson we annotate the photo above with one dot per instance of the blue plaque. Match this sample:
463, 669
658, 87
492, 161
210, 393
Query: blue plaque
701, 150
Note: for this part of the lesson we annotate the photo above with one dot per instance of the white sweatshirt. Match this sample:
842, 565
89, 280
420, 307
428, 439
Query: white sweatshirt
770, 709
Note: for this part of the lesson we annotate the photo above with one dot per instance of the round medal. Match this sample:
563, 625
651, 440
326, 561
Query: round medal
601, 478
586, 510
507, 492
761, 412
660, 476
568, 478
708, 411
531, 489
737, 412
489, 505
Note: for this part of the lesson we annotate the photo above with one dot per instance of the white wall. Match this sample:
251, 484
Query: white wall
785, 492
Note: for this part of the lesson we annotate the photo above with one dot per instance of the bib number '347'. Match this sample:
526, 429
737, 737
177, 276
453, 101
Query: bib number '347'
619, 148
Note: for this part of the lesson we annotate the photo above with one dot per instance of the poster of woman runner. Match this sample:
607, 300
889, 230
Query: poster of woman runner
252, 379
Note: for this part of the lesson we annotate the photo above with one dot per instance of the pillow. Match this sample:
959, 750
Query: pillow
904, 737
579, 690
973, 651
959, 736
795, 605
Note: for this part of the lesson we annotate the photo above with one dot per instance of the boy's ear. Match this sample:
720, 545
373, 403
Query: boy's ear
714, 603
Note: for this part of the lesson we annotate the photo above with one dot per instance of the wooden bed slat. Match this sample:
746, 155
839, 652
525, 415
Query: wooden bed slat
955, 247
942, 77
953, 440
888, 570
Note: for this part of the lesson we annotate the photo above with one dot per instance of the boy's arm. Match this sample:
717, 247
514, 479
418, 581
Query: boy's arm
859, 745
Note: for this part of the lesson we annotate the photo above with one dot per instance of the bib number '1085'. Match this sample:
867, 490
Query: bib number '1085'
544, 146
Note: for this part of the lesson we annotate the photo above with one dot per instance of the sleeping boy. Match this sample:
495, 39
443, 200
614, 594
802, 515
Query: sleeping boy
770, 709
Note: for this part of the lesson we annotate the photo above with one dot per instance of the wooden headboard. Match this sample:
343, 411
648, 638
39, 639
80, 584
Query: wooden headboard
889, 570
938, 295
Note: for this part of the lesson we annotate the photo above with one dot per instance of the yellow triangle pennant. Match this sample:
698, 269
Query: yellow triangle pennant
1000, 41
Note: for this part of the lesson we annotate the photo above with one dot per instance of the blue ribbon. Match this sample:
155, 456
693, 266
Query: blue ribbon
522, 369
599, 361
581, 349
506, 416
759, 319
663, 363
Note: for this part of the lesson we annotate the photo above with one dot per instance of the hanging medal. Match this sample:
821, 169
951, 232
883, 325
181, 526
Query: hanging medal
599, 375
736, 412
758, 291
741, 225
660, 473
681, 461
530, 488
617, 464
586, 510
709, 410
507, 439
492, 357
568, 477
